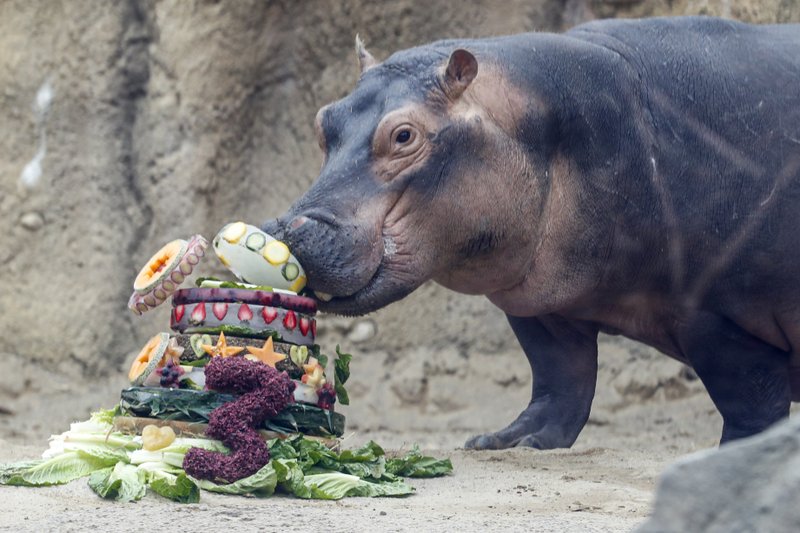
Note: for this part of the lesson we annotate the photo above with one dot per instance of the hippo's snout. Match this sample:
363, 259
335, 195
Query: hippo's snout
339, 258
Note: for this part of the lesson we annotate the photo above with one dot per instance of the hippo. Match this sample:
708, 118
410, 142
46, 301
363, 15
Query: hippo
638, 178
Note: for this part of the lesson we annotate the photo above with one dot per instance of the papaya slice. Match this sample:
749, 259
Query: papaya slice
150, 356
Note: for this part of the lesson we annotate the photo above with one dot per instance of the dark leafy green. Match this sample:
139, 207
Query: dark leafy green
196, 406
232, 284
414, 464
341, 375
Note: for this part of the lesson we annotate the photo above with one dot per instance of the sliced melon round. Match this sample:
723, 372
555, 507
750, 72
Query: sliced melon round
160, 266
149, 358
165, 272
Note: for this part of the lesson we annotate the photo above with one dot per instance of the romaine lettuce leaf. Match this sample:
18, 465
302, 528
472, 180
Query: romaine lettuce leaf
11, 473
262, 483
336, 485
55, 470
159, 456
123, 482
178, 488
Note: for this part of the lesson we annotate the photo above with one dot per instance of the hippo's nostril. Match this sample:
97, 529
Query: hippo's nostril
298, 221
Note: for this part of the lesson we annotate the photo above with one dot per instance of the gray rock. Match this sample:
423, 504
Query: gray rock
31, 221
751, 485
362, 331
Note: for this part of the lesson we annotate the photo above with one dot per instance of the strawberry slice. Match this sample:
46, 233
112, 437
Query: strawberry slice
198, 315
178, 312
290, 320
219, 310
269, 314
305, 325
245, 314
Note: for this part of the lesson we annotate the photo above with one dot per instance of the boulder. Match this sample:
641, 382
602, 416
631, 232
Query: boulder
749, 485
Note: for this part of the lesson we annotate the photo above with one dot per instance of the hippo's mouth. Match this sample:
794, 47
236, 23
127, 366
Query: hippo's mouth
384, 287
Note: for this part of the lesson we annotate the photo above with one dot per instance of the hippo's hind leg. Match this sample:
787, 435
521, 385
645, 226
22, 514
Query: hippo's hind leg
563, 358
747, 379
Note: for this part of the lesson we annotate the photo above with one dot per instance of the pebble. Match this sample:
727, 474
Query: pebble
362, 331
32, 221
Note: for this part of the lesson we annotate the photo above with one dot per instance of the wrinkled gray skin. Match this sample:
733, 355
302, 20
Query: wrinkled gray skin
632, 177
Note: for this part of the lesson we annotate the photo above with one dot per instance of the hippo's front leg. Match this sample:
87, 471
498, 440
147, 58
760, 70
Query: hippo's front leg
563, 359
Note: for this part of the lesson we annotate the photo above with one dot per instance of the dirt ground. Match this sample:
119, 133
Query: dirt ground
604, 483
648, 411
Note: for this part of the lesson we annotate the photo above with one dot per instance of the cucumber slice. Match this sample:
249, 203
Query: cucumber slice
290, 271
256, 241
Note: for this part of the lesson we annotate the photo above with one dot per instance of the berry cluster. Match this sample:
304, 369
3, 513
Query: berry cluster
327, 397
170, 374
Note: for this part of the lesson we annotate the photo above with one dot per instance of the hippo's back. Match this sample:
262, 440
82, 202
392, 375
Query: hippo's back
721, 103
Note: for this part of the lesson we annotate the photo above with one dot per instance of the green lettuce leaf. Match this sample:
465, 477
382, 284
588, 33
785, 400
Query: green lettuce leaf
174, 453
331, 485
178, 488
314, 457
123, 482
290, 477
11, 473
262, 483
105, 416
414, 464
282, 448
341, 375
56, 470
139, 457
337, 485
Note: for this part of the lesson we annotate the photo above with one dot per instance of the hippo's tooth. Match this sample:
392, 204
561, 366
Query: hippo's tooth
324, 296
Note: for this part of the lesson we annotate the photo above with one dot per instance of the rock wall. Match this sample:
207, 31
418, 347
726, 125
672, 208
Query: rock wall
126, 124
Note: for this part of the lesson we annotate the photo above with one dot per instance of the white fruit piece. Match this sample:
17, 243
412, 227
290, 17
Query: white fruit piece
258, 258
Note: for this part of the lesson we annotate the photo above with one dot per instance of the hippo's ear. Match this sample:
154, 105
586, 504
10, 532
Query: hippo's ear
365, 59
461, 70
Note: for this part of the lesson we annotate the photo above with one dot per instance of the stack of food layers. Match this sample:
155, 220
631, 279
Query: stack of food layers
260, 316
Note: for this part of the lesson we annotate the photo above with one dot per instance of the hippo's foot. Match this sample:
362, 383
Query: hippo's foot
501, 440
532, 429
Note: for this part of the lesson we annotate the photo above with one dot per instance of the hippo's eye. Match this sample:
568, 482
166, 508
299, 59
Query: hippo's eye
402, 137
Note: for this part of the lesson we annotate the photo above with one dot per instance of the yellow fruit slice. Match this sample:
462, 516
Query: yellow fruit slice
149, 358
155, 438
276, 252
160, 265
234, 232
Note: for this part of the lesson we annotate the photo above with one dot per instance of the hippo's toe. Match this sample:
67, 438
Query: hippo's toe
487, 441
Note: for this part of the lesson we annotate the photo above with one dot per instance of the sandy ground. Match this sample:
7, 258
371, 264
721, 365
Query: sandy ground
604, 483
647, 412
